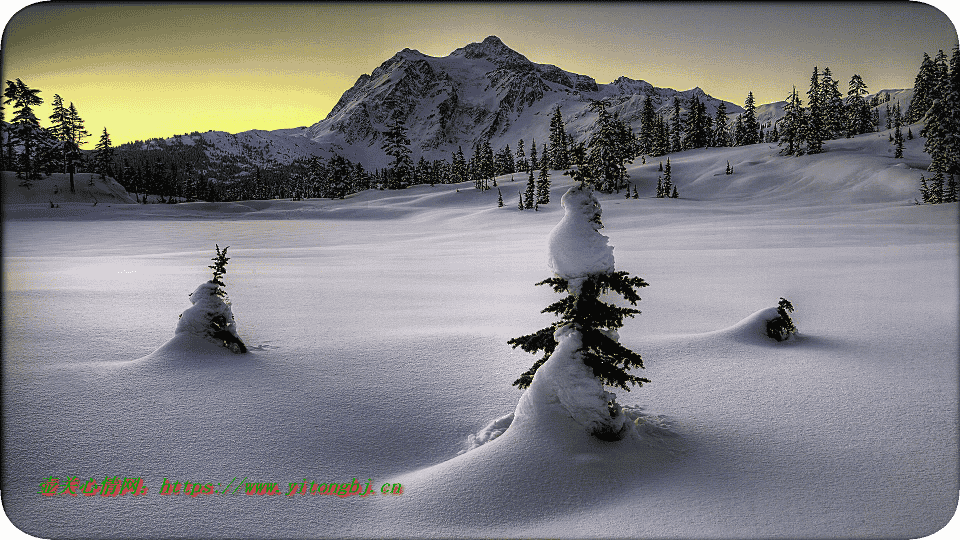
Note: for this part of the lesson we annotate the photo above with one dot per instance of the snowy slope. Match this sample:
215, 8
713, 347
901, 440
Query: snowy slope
377, 328
55, 188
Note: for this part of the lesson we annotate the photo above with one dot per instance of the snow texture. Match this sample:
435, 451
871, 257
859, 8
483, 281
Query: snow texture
576, 248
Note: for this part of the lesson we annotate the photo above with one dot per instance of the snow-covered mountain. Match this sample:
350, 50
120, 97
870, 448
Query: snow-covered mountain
482, 90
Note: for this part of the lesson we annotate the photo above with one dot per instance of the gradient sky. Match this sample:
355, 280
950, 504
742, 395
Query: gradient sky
155, 70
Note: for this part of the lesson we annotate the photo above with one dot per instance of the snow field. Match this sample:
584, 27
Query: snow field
378, 326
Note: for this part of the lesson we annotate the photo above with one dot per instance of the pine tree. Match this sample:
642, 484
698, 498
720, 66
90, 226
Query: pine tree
648, 126
675, 195
520, 204
609, 149
397, 146
858, 111
25, 129
781, 327
637, 195
77, 128
951, 194
792, 125
583, 310
667, 182
531, 190
559, 158
924, 90
543, 187
533, 156
211, 316
499, 199
751, 127
924, 190
834, 119
522, 165
659, 187
814, 125
675, 141
103, 156
942, 128
459, 167
720, 137
897, 132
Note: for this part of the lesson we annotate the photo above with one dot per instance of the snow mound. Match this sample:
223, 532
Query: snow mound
576, 248
211, 317
55, 188
566, 387
489, 432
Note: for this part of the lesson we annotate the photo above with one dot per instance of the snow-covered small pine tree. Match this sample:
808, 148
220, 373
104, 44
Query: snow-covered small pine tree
674, 195
499, 199
782, 326
211, 317
659, 187
520, 204
581, 350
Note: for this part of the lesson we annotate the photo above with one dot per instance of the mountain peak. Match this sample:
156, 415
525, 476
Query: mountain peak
492, 49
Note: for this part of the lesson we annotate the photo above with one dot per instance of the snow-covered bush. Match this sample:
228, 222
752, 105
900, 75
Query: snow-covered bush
782, 327
211, 317
581, 350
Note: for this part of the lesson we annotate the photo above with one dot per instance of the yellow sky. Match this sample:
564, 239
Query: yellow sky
150, 70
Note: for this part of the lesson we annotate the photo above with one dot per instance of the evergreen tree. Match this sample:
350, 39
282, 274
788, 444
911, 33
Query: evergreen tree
675, 141
103, 156
533, 156
584, 311
499, 199
831, 103
942, 128
751, 127
648, 128
897, 133
543, 187
531, 190
25, 130
637, 195
858, 111
559, 158
397, 146
659, 187
720, 137
522, 164
611, 147
781, 327
675, 195
951, 194
459, 168
77, 128
520, 204
667, 181
814, 126
792, 125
